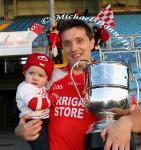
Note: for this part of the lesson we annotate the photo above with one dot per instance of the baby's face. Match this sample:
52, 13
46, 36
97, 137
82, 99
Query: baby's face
36, 75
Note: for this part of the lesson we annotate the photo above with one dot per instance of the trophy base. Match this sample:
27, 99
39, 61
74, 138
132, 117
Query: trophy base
93, 141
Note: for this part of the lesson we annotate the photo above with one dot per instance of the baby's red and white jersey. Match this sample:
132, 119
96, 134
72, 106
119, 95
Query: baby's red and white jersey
69, 120
33, 100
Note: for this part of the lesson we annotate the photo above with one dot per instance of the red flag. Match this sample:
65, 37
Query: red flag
34, 31
37, 28
106, 16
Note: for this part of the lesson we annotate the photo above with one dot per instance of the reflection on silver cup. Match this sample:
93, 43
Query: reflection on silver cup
108, 86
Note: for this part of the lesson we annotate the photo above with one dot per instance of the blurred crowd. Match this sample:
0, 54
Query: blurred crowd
100, 34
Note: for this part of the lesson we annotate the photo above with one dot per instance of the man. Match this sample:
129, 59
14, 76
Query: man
118, 134
69, 120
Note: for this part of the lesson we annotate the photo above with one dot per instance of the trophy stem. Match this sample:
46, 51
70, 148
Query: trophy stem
93, 140
106, 115
104, 119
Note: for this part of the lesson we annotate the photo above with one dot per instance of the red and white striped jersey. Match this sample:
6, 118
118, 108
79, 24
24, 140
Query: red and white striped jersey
32, 99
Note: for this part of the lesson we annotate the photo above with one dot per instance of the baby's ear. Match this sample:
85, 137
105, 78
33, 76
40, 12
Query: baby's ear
24, 73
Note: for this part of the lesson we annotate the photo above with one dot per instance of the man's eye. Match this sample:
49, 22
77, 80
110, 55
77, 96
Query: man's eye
79, 41
67, 44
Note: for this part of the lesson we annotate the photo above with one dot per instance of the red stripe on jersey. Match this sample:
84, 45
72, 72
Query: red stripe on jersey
33, 103
45, 103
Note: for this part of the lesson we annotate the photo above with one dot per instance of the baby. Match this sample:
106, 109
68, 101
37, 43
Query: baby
32, 97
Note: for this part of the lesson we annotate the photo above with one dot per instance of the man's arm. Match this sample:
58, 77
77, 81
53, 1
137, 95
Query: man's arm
135, 118
118, 134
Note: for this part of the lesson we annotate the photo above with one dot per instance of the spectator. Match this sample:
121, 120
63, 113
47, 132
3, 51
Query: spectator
96, 47
97, 37
55, 45
90, 24
86, 12
77, 12
104, 37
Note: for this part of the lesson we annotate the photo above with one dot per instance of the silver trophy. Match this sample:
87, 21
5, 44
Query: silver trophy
107, 85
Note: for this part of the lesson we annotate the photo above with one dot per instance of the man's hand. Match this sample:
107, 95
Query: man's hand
28, 130
118, 134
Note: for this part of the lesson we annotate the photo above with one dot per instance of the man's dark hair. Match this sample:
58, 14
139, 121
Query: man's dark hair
70, 23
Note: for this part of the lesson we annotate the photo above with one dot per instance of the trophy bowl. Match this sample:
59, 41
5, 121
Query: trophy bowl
107, 86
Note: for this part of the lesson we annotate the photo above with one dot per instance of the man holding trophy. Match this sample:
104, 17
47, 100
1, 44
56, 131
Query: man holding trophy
107, 90
69, 119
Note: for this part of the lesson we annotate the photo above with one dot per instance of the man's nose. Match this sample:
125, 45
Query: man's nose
74, 47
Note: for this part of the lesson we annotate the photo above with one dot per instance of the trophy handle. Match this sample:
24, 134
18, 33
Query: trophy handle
85, 78
137, 86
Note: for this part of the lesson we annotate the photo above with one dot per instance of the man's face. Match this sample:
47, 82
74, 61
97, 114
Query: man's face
76, 45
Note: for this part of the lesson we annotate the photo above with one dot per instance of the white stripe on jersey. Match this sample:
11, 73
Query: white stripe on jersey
39, 104
48, 100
